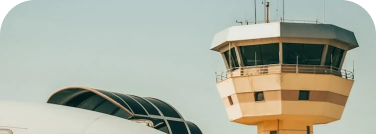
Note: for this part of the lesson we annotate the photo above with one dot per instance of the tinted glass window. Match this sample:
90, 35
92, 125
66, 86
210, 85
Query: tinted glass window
306, 54
62, 95
308, 130
115, 98
150, 108
106, 107
137, 109
178, 127
164, 108
230, 100
259, 96
92, 102
79, 99
334, 56
122, 114
303, 95
260, 54
193, 128
161, 126
234, 59
163, 129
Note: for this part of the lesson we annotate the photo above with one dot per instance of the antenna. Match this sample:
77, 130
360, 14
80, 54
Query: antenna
267, 12
324, 11
241, 22
283, 13
277, 10
264, 2
255, 13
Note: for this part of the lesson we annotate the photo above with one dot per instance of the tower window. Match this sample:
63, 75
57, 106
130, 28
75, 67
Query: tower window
334, 56
230, 100
273, 132
302, 54
259, 96
232, 59
264, 54
308, 130
303, 95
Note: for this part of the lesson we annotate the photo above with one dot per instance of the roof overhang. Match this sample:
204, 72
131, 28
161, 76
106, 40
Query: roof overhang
283, 29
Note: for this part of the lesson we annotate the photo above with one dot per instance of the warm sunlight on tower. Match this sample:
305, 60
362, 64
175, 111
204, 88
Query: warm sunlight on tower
284, 77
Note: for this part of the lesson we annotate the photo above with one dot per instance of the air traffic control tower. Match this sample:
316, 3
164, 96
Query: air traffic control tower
284, 77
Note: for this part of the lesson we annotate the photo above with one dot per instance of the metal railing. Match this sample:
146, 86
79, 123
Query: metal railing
275, 69
284, 20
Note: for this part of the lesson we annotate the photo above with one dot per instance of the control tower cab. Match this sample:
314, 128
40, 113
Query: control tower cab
284, 77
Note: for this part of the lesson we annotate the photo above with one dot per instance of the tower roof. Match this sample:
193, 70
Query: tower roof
284, 29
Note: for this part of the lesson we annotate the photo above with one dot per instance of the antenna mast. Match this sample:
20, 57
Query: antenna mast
255, 13
264, 2
267, 12
283, 13
324, 11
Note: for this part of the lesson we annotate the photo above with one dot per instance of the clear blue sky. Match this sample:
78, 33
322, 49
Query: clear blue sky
161, 49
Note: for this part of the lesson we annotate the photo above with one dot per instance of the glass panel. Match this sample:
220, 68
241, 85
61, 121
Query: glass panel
122, 114
265, 54
106, 107
193, 128
259, 96
137, 108
74, 102
234, 59
308, 130
163, 128
150, 108
178, 127
303, 95
115, 98
160, 125
230, 100
61, 96
164, 108
337, 56
306, 54
92, 102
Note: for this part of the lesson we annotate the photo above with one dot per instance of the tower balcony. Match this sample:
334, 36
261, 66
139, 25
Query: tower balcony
281, 68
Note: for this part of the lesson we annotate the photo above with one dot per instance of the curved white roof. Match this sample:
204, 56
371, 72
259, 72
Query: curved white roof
283, 29
56, 119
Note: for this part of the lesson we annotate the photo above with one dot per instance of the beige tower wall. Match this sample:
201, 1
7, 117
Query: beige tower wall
327, 99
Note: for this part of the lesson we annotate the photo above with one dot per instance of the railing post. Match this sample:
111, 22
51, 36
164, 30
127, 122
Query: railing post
297, 64
314, 69
331, 69
241, 71
222, 76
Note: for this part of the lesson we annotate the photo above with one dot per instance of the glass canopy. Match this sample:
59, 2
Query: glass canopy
162, 115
